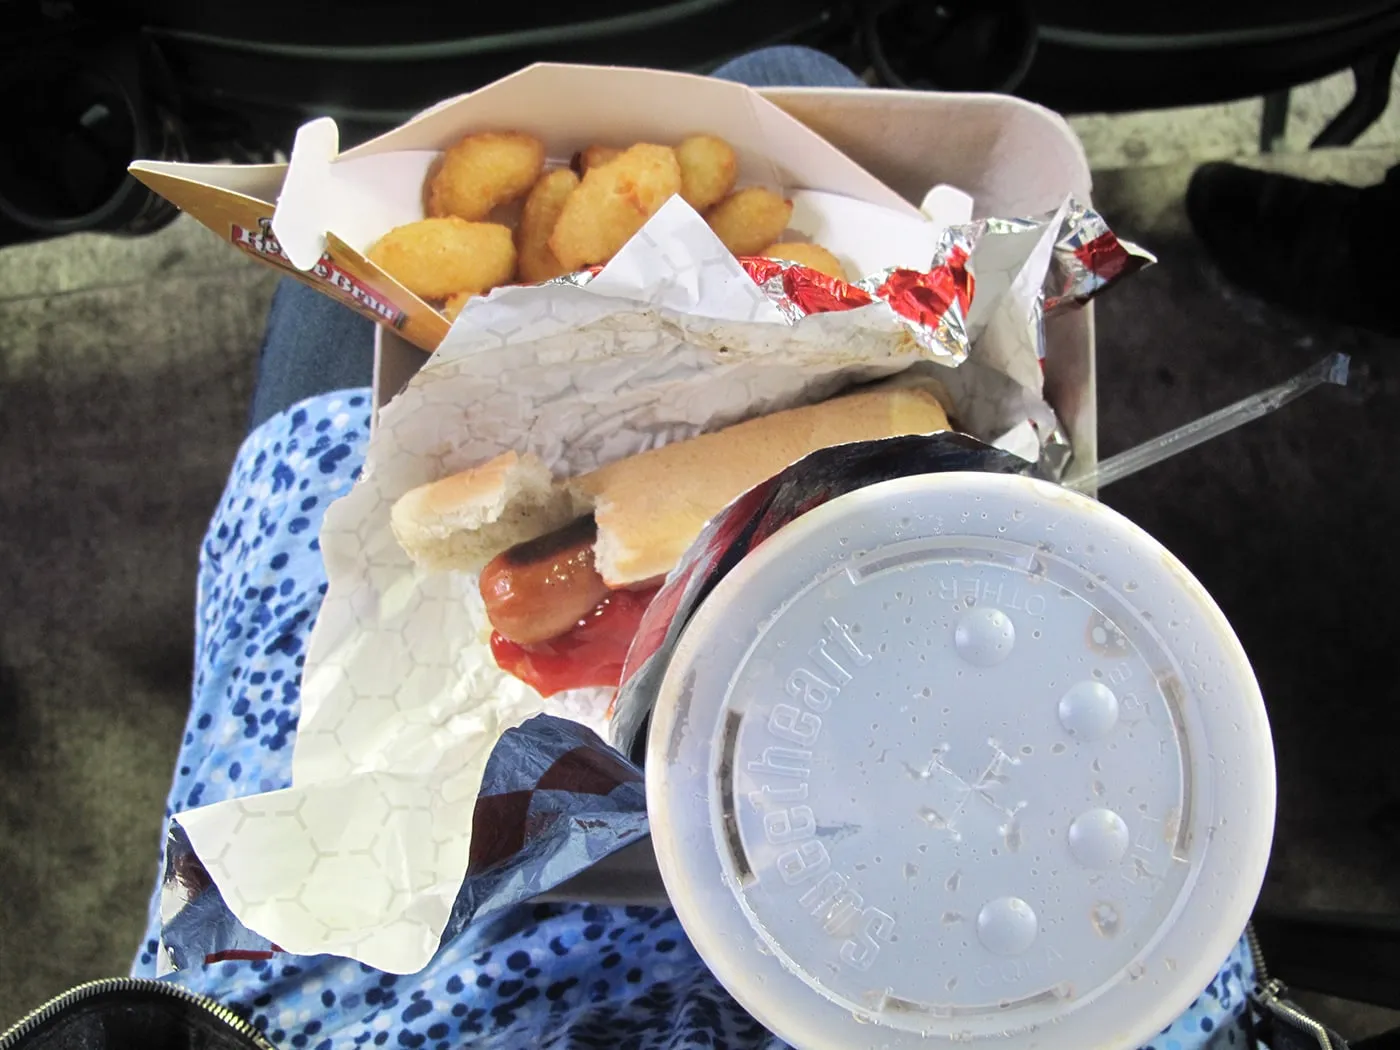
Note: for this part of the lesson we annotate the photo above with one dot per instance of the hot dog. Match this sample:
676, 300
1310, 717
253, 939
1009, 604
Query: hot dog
540, 589
571, 560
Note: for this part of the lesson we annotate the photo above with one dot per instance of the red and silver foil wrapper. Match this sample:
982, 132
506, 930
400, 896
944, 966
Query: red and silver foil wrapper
934, 304
757, 515
1088, 257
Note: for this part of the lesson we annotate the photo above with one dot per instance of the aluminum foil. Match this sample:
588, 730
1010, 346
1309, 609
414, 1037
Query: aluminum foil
1088, 258
935, 304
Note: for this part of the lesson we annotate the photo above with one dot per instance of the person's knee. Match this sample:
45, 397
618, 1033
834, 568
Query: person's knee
788, 65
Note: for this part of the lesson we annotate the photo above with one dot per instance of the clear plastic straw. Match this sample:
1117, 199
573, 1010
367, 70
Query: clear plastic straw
1333, 369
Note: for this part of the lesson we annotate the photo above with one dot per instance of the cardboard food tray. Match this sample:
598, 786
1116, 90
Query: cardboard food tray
1014, 158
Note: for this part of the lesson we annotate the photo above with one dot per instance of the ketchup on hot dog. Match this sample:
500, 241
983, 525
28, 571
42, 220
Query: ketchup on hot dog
590, 654
557, 623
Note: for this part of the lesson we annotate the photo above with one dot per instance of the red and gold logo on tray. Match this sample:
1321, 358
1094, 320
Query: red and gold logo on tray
262, 243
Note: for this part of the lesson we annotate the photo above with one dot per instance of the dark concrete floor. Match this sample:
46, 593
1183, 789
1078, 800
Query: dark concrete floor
1288, 523
121, 405
125, 372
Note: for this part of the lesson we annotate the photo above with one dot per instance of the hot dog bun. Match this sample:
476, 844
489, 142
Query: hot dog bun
462, 521
649, 507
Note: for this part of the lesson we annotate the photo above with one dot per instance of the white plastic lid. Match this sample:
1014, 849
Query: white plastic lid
965, 756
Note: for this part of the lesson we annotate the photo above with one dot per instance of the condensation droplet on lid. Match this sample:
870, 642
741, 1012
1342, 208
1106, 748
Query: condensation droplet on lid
951, 983
1135, 971
951, 918
910, 870
1057, 749
1130, 586
954, 880
932, 817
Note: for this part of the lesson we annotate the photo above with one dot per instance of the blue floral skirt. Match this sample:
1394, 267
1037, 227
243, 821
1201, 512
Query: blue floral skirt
564, 976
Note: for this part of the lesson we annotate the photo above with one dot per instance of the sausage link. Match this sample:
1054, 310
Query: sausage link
539, 590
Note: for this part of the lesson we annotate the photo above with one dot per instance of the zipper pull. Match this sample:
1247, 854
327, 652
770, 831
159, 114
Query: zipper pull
1282, 1025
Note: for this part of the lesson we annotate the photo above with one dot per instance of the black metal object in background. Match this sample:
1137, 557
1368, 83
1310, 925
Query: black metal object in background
1079, 56
1347, 955
79, 108
94, 83
374, 67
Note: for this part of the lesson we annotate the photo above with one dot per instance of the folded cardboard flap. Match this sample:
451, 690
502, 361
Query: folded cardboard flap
260, 182
213, 194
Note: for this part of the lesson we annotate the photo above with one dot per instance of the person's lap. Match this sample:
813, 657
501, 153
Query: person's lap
586, 975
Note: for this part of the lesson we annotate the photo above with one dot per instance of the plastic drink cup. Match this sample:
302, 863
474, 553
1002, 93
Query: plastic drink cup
957, 757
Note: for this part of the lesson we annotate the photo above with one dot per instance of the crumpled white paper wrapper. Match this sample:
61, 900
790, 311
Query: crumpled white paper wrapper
401, 700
